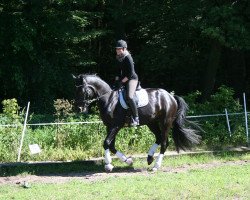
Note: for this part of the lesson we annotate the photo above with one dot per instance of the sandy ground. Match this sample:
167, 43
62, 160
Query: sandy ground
93, 177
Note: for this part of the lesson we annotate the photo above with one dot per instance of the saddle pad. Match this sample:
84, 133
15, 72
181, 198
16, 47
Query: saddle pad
141, 95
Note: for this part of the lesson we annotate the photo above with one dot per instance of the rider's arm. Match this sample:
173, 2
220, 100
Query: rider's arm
129, 69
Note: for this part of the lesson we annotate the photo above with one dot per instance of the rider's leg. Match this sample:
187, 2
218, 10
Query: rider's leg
131, 87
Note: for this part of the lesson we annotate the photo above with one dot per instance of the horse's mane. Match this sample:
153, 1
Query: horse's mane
92, 76
89, 75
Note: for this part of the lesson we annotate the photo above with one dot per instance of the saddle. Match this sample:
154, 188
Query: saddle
140, 97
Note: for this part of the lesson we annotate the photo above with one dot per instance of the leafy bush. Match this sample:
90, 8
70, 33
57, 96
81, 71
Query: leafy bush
11, 110
63, 108
9, 136
216, 133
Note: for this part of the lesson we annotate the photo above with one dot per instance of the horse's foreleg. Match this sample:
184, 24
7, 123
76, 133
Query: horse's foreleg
109, 145
123, 158
119, 154
108, 166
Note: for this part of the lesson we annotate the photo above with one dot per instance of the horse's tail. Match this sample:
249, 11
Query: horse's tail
183, 137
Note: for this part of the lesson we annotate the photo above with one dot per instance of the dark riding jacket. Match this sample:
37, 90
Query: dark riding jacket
126, 68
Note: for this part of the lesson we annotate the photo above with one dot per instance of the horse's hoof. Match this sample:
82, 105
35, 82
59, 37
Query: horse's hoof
129, 161
150, 159
109, 168
154, 169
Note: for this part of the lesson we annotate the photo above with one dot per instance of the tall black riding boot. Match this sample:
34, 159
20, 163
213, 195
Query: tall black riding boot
135, 120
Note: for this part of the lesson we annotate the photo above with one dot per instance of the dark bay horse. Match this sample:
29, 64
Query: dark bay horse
161, 113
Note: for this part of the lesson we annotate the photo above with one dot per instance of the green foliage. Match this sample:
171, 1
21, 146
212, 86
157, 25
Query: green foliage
223, 98
42, 43
216, 133
63, 108
9, 136
9, 143
11, 110
225, 22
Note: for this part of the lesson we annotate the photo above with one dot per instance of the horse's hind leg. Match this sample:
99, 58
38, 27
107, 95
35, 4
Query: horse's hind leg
164, 144
157, 132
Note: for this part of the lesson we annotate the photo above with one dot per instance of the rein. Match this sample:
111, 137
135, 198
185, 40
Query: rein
95, 99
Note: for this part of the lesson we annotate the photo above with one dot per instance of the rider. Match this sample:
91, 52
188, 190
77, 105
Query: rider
127, 76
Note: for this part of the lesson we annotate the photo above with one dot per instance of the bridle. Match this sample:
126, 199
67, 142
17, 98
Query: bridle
88, 87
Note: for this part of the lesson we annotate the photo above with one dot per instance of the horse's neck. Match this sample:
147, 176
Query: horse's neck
106, 98
102, 88
107, 105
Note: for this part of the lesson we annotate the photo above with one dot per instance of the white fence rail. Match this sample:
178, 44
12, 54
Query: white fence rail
50, 124
95, 122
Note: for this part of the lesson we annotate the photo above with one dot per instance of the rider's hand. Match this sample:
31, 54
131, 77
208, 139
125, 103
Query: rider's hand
118, 85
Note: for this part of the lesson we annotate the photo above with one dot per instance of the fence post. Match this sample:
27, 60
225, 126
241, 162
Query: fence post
246, 124
23, 132
228, 125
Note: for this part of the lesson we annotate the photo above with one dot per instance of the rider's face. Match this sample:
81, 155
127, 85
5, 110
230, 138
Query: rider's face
119, 51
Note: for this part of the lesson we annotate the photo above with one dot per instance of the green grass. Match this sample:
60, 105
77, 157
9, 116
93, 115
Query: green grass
223, 182
228, 182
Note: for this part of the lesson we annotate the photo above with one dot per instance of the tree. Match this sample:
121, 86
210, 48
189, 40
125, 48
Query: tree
42, 43
224, 25
176, 45
186, 42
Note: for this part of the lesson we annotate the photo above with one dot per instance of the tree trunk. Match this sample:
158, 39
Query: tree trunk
247, 80
237, 63
210, 72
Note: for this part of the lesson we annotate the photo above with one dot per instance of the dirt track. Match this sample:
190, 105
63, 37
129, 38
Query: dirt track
92, 176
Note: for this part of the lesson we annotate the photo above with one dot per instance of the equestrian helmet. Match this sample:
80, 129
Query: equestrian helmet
121, 44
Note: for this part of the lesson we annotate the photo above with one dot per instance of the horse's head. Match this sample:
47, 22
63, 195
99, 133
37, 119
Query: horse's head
85, 93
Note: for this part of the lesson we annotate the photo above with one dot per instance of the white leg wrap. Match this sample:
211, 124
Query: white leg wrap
108, 158
153, 149
158, 162
129, 161
109, 167
121, 156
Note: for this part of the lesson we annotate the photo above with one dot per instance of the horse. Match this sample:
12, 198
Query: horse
163, 112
